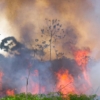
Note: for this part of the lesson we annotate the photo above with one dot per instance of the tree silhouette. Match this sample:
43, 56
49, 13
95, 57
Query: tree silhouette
59, 54
54, 31
10, 43
38, 48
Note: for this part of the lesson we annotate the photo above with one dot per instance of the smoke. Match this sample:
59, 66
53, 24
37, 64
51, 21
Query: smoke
24, 20
42, 74
32, 13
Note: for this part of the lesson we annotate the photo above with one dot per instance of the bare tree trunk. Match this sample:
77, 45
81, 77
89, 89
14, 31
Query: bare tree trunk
27, 81
34, 54
39, 84
26, 85
50, 47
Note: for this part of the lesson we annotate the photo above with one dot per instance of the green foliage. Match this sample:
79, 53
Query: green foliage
81, 97
50, 96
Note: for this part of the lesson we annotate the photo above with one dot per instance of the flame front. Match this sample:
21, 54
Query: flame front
82, 58
65, 82
10, 92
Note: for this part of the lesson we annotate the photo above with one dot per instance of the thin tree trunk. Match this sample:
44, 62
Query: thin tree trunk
39, 84
27, 81
26, 85
34, 54
50, 47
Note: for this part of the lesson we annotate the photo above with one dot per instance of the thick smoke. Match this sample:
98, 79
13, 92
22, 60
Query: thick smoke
32, 13
24, 20
23, 13
16, 67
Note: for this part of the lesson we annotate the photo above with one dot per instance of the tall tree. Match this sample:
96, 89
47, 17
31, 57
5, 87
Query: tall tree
54, 31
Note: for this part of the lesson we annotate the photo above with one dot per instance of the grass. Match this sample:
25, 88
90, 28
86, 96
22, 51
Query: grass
50, 96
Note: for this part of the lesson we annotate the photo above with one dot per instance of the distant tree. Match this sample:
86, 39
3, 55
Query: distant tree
38, 48
59, 54
54, 31
10, 44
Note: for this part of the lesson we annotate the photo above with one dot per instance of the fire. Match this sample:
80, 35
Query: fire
10, 92
82, 58
1, 75
65, 82
35, 73
33, 83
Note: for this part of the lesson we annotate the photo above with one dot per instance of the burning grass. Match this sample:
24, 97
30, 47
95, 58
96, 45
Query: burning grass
50, 96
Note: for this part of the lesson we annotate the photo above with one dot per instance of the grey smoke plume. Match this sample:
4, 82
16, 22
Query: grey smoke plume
42, 72
24, 19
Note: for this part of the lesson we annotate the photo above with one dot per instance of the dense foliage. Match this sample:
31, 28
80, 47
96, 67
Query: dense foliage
50, 96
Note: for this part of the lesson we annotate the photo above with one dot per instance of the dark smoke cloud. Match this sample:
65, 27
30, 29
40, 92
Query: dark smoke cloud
32, 13
28, 33
16, 67
26, 13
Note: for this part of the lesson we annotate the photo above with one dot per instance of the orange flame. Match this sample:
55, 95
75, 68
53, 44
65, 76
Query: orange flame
65, 81
82, 57
10, 92
1, 75
33, 86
